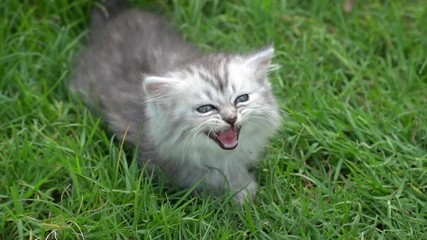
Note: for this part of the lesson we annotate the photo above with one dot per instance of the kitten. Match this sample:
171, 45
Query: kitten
201, 118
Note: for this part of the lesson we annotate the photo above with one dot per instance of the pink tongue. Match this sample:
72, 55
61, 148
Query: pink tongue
228, 137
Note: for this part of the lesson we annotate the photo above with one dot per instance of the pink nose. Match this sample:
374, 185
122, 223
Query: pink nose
231, 121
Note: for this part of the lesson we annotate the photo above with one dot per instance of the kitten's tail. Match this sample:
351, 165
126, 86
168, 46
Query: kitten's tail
104, 10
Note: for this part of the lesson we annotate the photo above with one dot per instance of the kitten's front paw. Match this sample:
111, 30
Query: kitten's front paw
249, 192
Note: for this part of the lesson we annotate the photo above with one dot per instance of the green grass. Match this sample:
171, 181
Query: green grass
350, 161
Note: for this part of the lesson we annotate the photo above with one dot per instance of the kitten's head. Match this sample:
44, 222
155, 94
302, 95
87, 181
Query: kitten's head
220, 102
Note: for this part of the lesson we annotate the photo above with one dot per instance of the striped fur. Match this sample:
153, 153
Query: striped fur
147, 81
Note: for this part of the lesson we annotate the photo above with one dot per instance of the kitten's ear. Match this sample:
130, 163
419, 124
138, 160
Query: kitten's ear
260, 61
158, 89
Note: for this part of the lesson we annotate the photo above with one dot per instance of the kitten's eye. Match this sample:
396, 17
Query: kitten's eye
205, 108
241, 98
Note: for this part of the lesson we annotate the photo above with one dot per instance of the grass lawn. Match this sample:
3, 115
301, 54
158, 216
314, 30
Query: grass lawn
350, 161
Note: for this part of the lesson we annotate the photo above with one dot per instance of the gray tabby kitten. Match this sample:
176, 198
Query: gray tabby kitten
199, 117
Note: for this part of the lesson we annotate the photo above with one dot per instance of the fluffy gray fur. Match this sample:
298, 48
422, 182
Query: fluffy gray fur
149, 83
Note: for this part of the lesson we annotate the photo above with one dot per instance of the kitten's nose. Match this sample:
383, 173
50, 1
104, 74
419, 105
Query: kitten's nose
231, 120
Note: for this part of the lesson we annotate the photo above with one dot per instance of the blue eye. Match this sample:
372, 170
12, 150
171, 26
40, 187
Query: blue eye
206, 108
241, 98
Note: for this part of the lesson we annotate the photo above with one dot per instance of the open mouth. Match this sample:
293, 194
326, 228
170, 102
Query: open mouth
227, 139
